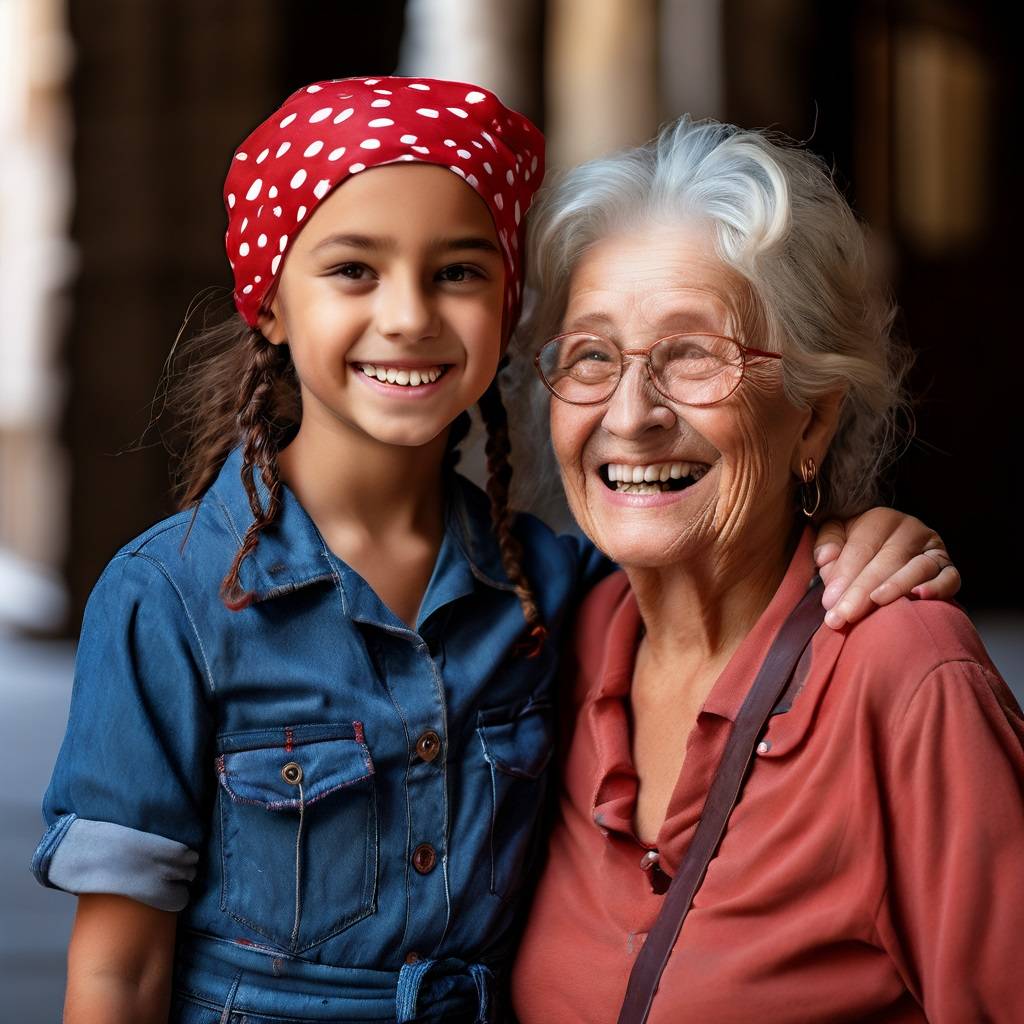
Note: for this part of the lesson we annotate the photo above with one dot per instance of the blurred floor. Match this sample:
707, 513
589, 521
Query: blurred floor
35, 687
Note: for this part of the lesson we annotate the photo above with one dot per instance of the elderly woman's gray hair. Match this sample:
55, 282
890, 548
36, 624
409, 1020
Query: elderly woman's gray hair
780, 223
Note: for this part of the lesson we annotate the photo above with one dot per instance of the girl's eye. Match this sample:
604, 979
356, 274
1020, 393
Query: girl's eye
353, 271
457, 273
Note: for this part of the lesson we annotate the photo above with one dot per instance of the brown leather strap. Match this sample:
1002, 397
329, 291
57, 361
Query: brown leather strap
768, 687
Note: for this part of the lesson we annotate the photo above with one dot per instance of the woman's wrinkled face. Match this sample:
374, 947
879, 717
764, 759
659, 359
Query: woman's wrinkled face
729, 467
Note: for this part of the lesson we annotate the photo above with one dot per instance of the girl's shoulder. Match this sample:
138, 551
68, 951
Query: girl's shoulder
179, 559
552, 560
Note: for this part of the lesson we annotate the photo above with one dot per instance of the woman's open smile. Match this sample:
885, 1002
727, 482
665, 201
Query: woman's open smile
639, 485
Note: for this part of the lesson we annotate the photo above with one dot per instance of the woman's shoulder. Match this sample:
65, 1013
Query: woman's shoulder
606, 631
916, 636
603, 600
910, 651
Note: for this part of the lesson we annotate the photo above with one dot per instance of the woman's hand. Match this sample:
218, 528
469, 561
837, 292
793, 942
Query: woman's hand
119, 962
876, 557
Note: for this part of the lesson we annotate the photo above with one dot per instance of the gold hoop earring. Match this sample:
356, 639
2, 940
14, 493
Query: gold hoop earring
809, 475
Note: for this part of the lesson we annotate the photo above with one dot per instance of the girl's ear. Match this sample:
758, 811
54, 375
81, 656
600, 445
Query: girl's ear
819, 429
271, 327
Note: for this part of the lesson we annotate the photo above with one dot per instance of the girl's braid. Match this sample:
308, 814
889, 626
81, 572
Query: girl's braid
499, 476
263, 367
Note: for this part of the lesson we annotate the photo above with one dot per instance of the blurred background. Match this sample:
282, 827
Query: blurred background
117, 121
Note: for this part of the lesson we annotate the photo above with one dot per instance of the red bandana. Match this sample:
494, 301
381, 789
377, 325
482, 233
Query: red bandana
326, 132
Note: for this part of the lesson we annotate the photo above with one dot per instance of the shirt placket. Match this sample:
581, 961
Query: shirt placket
415, 685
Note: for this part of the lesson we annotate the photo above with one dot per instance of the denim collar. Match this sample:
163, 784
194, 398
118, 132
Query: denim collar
292, 554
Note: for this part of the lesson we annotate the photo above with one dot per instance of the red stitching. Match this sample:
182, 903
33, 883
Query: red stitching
358, 726
221, 767
288, 740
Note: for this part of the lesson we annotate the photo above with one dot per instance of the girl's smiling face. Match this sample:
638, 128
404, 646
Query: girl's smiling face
390, 301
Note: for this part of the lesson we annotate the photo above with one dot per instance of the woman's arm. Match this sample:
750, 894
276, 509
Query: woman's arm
876, 557
119, 962
954, 822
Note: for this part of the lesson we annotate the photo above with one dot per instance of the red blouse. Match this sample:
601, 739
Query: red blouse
873, 869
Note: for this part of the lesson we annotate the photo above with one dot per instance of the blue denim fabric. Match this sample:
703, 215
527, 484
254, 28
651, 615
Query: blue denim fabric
258, 770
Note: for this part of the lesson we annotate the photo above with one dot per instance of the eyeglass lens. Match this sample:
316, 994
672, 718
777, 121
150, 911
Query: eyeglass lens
695, 369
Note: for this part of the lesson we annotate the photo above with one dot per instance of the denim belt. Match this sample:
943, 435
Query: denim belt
257, 980
411, 976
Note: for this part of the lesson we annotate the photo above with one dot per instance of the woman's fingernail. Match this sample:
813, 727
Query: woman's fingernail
834, 620
825, 553
833, 592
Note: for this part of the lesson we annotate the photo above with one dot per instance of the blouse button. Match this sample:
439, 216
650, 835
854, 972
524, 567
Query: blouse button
424, 858
292, 773
428, 746
764, 746
649, 859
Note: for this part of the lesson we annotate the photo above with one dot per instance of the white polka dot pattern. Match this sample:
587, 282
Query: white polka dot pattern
297, 161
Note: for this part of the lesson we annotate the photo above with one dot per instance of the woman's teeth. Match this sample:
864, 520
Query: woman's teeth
401, 376
652, 479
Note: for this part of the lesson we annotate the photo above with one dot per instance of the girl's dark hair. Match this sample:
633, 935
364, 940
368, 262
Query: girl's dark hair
499, 478
227, 385
230, 386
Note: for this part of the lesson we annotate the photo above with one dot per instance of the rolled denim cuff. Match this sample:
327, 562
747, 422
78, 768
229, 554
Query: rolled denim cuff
82, 856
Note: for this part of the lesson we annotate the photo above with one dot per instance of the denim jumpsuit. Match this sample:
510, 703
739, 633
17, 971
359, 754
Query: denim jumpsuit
343, 808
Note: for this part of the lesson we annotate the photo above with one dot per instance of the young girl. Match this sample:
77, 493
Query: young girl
311, 713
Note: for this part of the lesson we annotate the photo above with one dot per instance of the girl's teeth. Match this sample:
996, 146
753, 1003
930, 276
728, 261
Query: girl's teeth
401, 377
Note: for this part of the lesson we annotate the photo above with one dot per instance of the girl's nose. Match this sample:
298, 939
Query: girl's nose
636, 406
405, 311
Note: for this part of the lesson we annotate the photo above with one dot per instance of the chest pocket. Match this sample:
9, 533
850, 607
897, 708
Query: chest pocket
298, 831
517, 747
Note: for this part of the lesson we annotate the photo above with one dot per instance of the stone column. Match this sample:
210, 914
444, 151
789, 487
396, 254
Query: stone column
601, 77
494, 43
691, 53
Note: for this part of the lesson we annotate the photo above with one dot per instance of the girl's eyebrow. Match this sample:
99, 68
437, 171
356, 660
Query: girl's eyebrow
365, 242
370, 243
477, 244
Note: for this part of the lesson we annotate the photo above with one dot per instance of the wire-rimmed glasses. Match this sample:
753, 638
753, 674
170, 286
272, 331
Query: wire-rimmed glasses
692, 369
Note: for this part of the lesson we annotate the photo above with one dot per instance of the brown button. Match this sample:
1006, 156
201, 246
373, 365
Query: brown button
412, 958
424, 858
428, 746
292, 773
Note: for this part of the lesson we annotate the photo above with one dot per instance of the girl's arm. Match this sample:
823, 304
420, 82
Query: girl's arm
874, 558
119, 962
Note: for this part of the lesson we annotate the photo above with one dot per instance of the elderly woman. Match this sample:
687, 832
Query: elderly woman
722, 370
